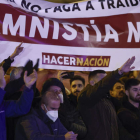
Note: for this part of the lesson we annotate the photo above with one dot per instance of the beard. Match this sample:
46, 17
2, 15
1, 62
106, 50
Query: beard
135, 99
121, 93
76, 92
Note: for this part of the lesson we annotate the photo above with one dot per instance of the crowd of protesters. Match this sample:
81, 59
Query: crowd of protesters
107, 108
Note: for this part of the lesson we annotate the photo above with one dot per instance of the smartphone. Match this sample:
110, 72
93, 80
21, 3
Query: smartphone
68, 76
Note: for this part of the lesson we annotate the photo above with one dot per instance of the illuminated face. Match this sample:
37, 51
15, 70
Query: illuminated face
118, 91
97, 78
51, 100
76, 87
134, 93
55, 89
53, 105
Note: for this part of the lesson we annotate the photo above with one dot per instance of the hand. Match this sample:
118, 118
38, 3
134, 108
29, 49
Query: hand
28, 67
17, 51
70, 136
2, 79
60, 75
126, 67
31, 79
36, 65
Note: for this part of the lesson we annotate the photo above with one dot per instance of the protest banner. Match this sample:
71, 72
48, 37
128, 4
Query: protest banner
80, 36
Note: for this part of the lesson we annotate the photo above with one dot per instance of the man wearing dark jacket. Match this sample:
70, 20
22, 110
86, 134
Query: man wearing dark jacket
129, 115
68, 114
77, 83
43, 123
97, 112
14, 90
15, 108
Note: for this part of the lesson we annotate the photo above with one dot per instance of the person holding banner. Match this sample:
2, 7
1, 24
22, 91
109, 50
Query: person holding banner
13, 108
98, 112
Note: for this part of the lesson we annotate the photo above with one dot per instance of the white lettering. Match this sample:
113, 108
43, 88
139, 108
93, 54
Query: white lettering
36, 23
46, 59
70, 29
72, 61
53, 60
85, 30
98, 33
66, 61
20, 24
58, 59
108, 36
132, 31
55, 30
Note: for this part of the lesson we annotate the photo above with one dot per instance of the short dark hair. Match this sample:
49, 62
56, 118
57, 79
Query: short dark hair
131, 82
52, 82
119, 81
48, 97
46, 86
77, 77
94, 73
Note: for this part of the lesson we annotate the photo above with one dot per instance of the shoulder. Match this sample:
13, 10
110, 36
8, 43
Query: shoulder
30, 116
126, 112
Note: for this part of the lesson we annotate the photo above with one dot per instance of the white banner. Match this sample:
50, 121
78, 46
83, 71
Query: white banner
81, 36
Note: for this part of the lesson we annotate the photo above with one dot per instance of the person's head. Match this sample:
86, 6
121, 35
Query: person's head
118, 90
16, 73
95, 76
54, 85
50, 101
132, 90
52, 95
77, 83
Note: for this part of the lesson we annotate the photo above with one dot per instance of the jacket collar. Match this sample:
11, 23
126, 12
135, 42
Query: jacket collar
41, 114
129, 106
73, 98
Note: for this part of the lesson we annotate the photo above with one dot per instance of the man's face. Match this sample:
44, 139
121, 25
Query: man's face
134, 93
76, 87
53, 105
50, 103
97, 78
118, 91
56, 89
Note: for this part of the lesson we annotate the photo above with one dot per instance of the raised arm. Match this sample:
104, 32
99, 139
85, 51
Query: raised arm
99, 90
23, 105
6, 64
15, 85
12, 87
